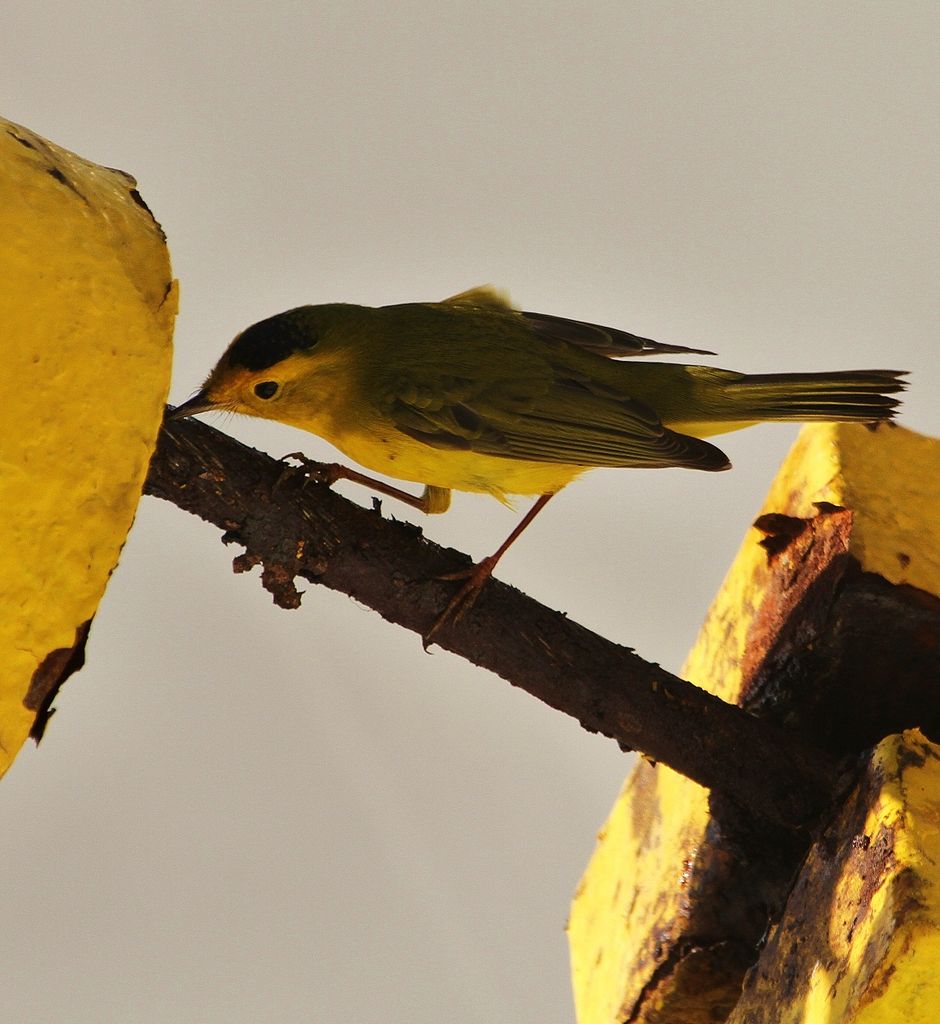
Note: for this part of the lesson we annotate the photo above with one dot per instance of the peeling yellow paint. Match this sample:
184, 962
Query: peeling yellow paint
902, 984
87, 304
897, 534
896, 530
629, 903
876, 950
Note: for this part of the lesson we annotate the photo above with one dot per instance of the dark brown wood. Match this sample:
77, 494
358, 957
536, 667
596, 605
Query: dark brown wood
294, 530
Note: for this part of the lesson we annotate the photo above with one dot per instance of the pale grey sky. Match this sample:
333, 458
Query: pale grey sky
242, 814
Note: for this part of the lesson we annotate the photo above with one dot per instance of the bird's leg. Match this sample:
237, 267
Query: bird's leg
432, 501
477, 575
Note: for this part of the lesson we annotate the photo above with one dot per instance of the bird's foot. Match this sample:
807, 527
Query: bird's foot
474, 580
313, 472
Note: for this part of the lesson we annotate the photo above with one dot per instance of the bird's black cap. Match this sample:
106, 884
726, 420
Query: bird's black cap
268, 342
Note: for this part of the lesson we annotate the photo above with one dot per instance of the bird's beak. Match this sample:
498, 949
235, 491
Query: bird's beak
200, 402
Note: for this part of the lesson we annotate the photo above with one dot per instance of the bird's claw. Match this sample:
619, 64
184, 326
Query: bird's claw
474, 580
312, 472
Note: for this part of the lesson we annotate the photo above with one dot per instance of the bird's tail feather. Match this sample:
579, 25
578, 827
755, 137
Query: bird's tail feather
847, 395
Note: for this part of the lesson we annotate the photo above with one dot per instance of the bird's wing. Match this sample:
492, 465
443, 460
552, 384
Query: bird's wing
556, 417
602, 341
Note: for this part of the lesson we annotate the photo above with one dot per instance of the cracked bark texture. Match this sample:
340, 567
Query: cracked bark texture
293, 530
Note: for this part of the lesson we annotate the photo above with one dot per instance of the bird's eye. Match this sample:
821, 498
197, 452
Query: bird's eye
266, 389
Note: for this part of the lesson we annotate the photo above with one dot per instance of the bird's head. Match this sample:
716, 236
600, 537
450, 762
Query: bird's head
265, 369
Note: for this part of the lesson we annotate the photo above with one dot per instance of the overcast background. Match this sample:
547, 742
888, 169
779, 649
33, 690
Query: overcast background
243, 814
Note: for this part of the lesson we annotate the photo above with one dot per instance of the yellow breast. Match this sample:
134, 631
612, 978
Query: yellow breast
388, 451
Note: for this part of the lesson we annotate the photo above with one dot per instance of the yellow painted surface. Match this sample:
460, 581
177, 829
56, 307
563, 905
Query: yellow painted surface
87, 304
626, 903
897, 529
874, 955
635, 894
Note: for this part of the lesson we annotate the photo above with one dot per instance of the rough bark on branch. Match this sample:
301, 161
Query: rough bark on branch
308, 531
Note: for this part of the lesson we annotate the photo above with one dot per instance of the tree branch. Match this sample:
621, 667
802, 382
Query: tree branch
293, 529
